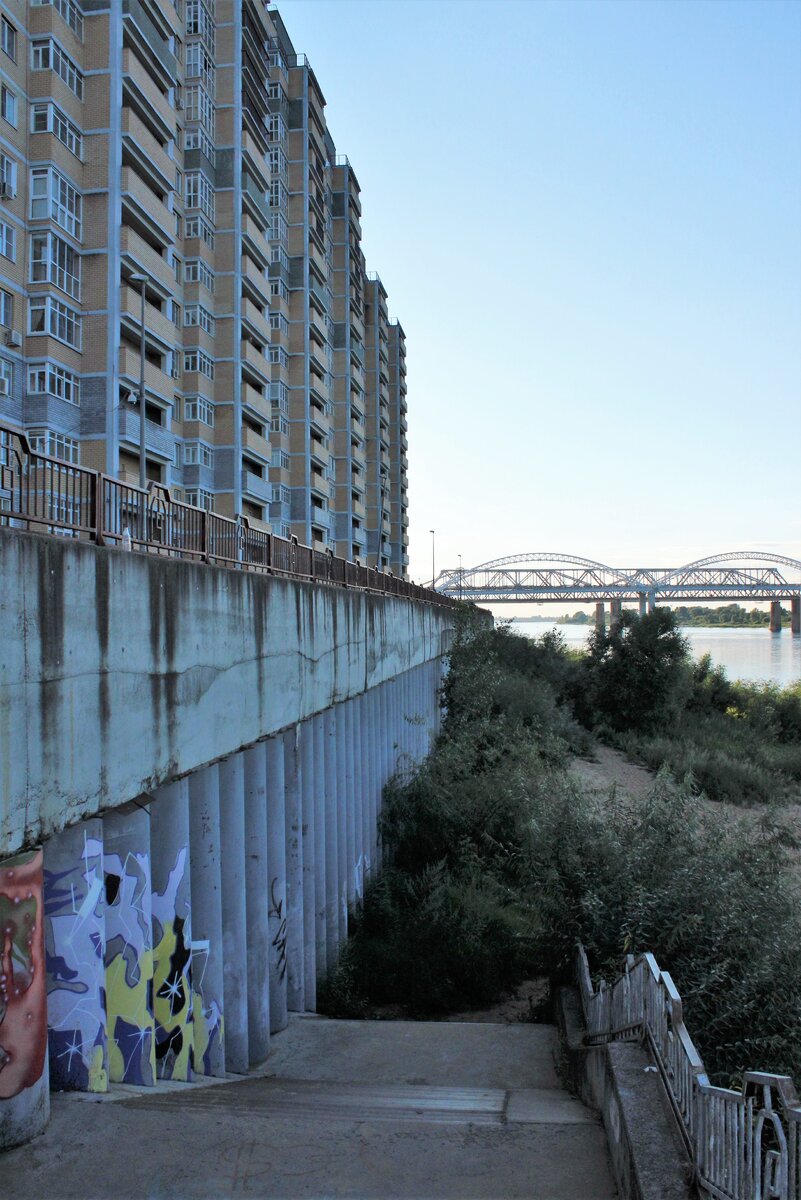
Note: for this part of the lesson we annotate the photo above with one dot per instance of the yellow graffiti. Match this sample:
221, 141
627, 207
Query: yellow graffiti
130, 1003
98, 1075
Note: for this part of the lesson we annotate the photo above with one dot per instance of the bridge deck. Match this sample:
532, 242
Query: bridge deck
343, 1108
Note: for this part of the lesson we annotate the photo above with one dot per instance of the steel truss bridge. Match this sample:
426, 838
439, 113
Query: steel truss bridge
553, 578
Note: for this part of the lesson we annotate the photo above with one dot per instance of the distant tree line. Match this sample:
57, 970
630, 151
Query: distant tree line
728, 615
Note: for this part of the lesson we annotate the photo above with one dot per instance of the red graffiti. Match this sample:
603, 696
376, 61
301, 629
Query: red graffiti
23, 995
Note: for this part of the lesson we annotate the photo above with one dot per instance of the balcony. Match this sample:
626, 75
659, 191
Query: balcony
138, 26
255, 400
144, 258
251, 232
156, 380
143, 142
256, 488
256, 319
256, 443
158, 438
252, 195
252, 359
256, 279
159, 328
148, 207
138, 81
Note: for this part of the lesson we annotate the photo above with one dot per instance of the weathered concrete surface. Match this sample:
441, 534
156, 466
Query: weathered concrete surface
337, 1117
122, 671
648, 1157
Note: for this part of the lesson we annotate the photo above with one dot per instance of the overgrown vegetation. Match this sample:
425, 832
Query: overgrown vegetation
737, 742
498, 861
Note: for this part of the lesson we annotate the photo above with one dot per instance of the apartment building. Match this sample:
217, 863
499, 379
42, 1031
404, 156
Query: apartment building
175, 155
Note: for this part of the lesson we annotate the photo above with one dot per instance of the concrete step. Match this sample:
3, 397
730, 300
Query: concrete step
309, 1099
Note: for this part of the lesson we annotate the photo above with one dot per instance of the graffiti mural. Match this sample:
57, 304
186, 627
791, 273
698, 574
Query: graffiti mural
207, 1018
23, 1002
129, 968
172, 973
74, 951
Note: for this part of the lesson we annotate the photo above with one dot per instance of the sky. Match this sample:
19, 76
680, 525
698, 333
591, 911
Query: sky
587, 217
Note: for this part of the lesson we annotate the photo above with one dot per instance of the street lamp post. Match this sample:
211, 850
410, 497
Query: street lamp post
143, 280
433, 563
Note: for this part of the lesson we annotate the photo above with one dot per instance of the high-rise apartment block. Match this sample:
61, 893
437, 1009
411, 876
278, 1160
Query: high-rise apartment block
179, 151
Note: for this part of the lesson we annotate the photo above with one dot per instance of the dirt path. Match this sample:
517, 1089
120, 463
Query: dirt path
612, 767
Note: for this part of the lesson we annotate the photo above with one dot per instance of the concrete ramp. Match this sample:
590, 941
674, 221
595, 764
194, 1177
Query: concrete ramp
397, 1110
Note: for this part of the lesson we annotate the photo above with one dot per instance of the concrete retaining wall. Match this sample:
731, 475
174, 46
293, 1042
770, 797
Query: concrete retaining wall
191, 764
121, 671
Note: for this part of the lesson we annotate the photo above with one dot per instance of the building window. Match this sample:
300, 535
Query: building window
200, 107
57, 445
198, 272
280, 460
279, 196
200, 23
54, 261
279, 425
200, 64
197, 315
8, 105
278, 230
277, 129
69, 12
8, 241
279, 323
198, 227
49, 379
200, 499
197, 361
52, 195
48, 118
47, 55
198, 139
8, 39
279, 355
279, 290
48, 315
200, 193
6, 308
198, 408
6, 376
8, 175
279, 397
198, 454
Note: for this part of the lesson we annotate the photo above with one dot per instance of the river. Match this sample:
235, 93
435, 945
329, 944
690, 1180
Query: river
752, 654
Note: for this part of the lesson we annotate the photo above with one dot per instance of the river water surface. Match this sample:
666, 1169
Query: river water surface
751, 654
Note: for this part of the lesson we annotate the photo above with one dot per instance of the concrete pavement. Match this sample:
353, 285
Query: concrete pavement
391, 1110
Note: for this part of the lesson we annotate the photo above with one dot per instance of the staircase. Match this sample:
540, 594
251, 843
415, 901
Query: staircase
341, 1109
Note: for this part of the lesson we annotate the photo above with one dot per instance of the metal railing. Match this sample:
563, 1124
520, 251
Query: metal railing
743, 1145
48, 495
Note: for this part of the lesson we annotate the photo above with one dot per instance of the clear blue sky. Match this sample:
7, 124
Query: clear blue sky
588, 220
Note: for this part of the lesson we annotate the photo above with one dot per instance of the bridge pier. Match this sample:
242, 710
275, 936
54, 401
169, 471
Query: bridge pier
643, 603
775, 616
615, 610
795, 614
600, 618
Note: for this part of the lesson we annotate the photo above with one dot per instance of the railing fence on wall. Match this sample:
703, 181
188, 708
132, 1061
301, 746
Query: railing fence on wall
744, 1145
49, 495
